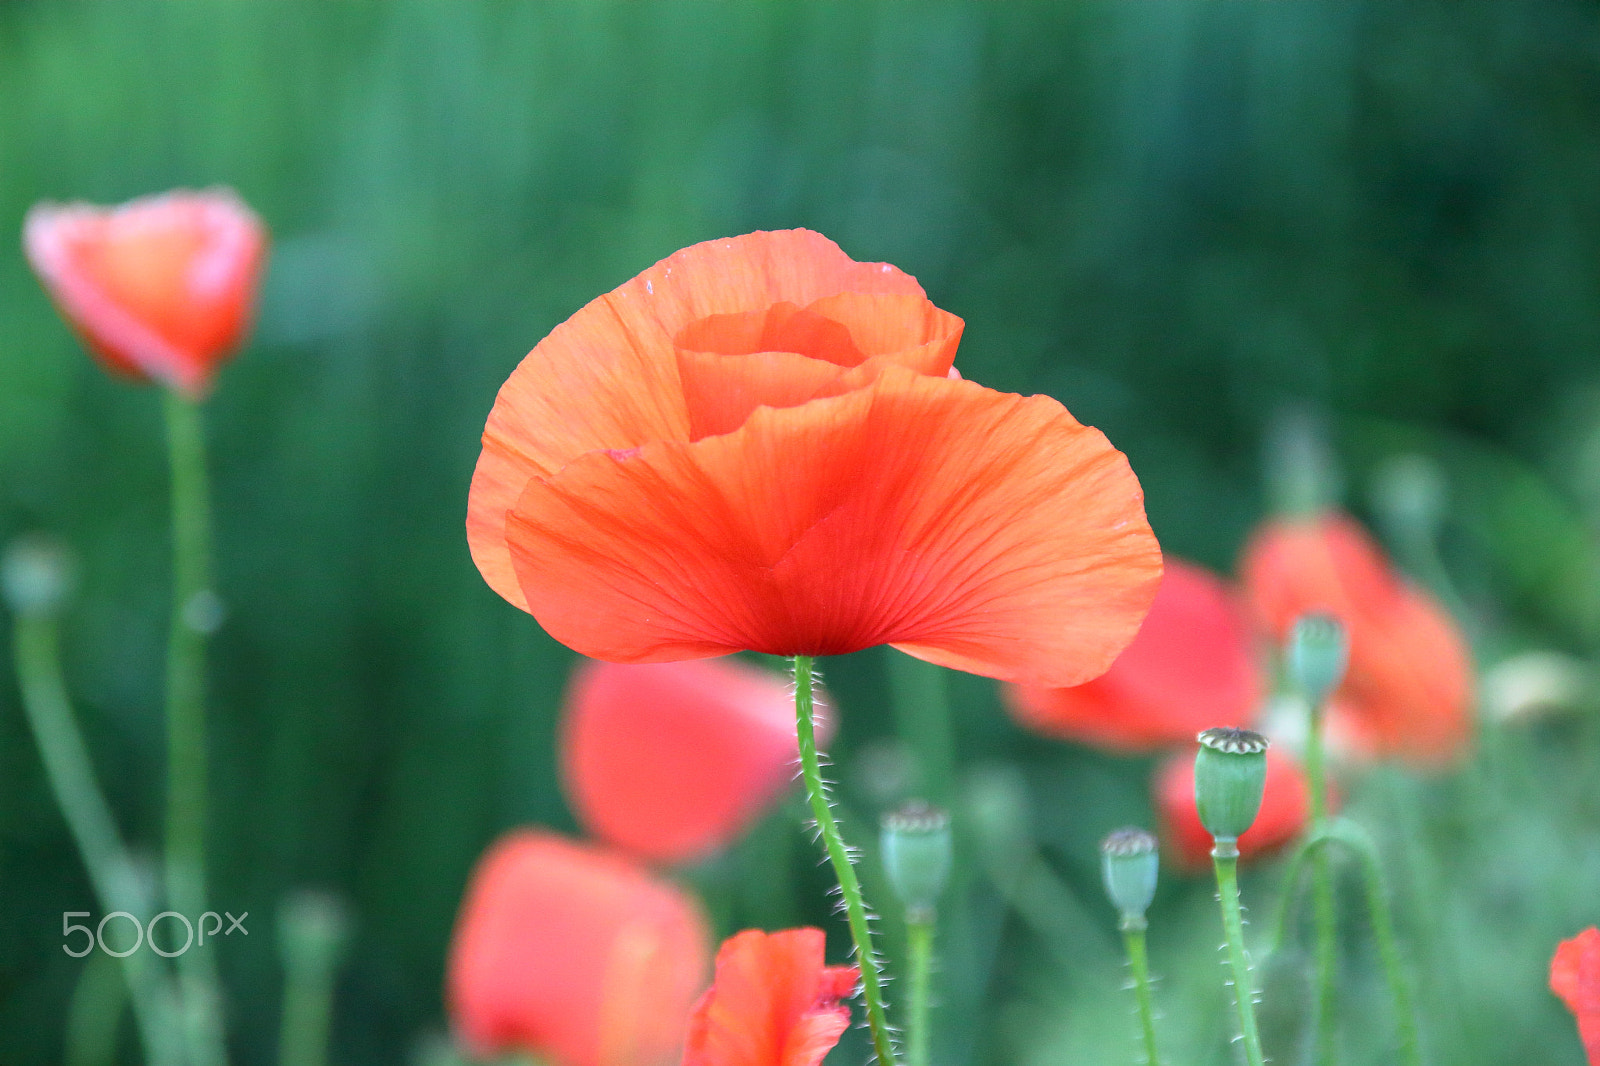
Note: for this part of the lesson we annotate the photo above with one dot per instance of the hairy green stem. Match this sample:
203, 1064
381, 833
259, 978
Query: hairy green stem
1325, 916
1139, 966
919, 949
71, 776
1356, 840
1225, 859
839, 856
192, 601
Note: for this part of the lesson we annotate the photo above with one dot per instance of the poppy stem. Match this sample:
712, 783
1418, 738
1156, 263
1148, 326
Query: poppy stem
195, 613
1133, 929
1225, 859
839, 856
919, 950
111, 872
1324, 916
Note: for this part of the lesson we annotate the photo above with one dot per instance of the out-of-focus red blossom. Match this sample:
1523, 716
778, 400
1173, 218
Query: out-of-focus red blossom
756, 445
161, 288
1285, 809
1191, 667
672, 761
1408, 690
1575, 977
773, 1004
571, 952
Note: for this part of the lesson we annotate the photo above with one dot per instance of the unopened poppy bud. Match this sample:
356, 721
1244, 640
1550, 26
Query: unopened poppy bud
36, 574
1230, 775
1317, 654
1409, 491
312, 929
1129, 863
915, 842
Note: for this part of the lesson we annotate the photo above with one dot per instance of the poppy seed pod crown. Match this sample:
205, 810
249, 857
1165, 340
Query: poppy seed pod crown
1230, 774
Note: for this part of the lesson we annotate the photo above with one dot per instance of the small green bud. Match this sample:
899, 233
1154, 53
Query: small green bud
1129, 864
1409, 492
915, 842
312, 928
36, 574
1317, 654
1230, 774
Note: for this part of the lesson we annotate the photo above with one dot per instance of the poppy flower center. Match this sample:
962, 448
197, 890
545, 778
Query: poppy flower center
784, 355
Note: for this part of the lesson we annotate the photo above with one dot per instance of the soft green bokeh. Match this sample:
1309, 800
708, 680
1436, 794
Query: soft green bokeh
1181, 220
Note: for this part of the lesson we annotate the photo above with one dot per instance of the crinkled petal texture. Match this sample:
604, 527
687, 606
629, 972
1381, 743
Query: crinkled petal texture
1192, 666
1408, 690
1285, 808
161, 288
774, 1003
1575, 977
571, 952
657, 484
672, 761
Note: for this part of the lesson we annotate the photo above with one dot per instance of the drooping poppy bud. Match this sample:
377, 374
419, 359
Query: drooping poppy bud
1575, 977
1191, 666
774, 1003
160, 288
672, 761
1285, 809
575, 953
1407, 691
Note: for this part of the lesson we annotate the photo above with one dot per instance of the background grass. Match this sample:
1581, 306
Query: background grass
1177, 219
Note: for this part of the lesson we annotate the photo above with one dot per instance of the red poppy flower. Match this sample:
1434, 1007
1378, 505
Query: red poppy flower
1285, 809
568, 951
755, 445
672, 761
1575, 977
1191, 667
161, 288
773, 1004
1408, 689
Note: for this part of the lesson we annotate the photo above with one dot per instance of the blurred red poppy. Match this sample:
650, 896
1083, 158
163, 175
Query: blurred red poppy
1575, 977
755, 445
1285, 809
672, 761
568, 951
161, 288
773, 1004
1191, 667
1408, 690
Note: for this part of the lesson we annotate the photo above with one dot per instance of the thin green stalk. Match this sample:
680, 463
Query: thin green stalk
307, 1013
839, 856
94, 1016
920, 697
1324, 915
919, 949
1139, 965
71, 777
1225, 859
186, 723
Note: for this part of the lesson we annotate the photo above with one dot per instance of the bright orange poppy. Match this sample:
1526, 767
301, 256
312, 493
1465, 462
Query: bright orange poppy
755, 444
1191, 667
773, 1004
1408, 689
161, 288
1285, 810
672, 761
569, 951
1575, 977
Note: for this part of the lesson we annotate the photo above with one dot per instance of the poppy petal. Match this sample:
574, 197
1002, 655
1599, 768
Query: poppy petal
1575, 977
606, 378
979, 530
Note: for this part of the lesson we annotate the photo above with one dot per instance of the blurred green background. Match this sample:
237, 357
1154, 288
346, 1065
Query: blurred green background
1179, 219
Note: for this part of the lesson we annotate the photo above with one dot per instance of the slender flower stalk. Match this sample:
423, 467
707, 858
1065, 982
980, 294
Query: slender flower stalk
919, 693
919, 950
1225, 859
1139, 967
193, 617
839, 856
311, 931
36, 645
1129, 866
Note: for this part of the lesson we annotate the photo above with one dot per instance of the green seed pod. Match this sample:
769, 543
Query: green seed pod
1230, 774
1129, 864
1317, 654
915, 842
36, 575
